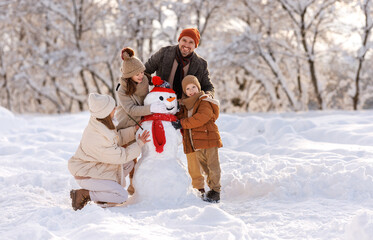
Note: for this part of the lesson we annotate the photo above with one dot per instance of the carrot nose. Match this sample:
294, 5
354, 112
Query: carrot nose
170, 99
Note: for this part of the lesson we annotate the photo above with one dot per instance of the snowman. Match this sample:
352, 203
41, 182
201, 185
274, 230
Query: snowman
160, 177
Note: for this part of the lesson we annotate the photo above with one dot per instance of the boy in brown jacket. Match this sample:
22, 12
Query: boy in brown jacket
201, 138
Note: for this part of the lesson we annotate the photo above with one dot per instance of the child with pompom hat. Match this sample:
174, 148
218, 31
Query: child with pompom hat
131, 91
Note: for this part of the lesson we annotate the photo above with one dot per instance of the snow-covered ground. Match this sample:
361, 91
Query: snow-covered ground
284, 176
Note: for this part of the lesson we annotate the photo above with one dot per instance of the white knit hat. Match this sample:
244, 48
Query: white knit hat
100, 106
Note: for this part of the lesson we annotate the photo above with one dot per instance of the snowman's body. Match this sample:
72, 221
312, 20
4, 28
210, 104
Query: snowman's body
160, 177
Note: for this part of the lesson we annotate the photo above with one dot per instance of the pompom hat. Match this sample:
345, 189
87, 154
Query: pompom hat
131, 65
100, 106
192, 33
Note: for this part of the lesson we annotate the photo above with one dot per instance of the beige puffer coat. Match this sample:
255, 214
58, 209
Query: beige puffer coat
99, 154
132, 105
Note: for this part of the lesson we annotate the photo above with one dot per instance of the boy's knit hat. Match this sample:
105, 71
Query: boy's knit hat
131, 65
188, 80
100, 106
192, 33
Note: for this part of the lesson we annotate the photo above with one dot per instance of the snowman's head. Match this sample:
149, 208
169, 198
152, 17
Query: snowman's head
162, 93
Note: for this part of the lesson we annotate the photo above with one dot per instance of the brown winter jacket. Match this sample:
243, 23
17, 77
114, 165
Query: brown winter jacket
162, 61
200, 130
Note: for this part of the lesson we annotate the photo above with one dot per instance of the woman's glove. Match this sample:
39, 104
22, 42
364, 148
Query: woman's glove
176, 124
158, 107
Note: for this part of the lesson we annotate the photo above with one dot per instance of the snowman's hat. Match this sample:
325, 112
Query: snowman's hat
160, 85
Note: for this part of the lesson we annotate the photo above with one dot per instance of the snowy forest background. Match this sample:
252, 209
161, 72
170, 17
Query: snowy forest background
263, 55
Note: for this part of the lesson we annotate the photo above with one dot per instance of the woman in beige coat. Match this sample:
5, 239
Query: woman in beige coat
132, 90
100, 164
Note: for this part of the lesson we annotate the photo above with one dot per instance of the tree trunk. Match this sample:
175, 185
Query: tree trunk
81, 73
368, 28
9, 104
311, 62
113, 85
355, 98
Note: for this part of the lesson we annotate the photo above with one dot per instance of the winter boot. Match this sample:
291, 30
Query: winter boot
79, 198
212, 196
202, 192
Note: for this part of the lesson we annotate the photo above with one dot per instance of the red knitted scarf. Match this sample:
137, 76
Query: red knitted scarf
159, 137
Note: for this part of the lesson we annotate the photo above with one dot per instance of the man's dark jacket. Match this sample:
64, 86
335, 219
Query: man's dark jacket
161, 62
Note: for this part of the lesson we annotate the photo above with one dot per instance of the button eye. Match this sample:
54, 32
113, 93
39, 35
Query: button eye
161, 98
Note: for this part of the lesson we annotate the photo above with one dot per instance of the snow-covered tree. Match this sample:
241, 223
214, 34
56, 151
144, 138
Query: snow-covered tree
279, 55
281, 44
366, 44
261, 51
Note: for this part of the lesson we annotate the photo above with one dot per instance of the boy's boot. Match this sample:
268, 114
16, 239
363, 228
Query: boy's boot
212, 196
79, 198
202, 192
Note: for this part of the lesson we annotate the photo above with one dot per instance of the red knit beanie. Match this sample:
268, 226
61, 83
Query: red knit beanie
192, 33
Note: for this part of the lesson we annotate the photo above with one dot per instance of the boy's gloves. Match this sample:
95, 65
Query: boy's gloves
158, 107
176, 124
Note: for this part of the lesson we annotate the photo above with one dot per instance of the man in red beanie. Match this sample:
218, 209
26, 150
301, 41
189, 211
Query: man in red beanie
187, 36
173, 63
